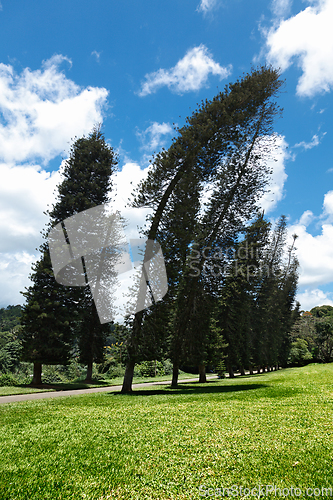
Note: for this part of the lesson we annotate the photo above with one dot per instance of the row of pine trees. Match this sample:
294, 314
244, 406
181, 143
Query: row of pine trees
231, 278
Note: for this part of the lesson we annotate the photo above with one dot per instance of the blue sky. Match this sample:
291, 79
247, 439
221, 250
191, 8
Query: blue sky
139, 68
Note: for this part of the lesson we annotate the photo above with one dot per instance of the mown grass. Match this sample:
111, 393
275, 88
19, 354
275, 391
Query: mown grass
159, 443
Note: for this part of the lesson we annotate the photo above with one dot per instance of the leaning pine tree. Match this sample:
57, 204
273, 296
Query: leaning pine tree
54, 315
219, 146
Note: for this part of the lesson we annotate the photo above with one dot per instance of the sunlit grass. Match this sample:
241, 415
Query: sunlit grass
159, 443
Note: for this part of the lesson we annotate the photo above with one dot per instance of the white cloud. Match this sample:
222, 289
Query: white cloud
314, 253
190, 73
25, 192
328, 203
206, 6
269, 201
305, 38
308, 145
306, 218
312, 298
40, 112
14, 271
281, 7
42, 109
153, 137
124, 182
96, 54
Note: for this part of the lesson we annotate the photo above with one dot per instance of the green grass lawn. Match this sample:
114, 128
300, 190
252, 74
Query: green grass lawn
158, 443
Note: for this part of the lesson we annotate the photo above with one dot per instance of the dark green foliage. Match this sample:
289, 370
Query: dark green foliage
256, 308
86, 177
10, 351
7, 379
91, 333
55, 315
10, 317
321, 311
324, 330
47, 317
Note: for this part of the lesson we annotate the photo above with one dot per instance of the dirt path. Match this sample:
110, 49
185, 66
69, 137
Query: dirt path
43, 395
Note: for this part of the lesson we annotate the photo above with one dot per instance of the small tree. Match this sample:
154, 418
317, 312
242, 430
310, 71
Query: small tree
47, 319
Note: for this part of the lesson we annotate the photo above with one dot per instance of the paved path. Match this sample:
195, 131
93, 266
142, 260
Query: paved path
56, 394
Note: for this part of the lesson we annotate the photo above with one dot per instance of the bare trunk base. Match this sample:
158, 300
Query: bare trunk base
128, 377
251, 370
258, 371
175, 371
242, 371
37, 376
88, 379
202, 374
231, 372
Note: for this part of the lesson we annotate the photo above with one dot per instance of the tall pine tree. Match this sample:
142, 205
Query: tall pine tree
55, 315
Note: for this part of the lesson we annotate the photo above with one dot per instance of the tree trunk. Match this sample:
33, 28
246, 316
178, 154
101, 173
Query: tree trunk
251, 370
37, 376
89, 372
242, 371
258, 371
202, 374
231, 371
175, 371
128, 377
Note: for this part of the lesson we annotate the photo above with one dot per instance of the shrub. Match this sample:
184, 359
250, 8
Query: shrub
299, 353
148, 368
7, 379
51, 375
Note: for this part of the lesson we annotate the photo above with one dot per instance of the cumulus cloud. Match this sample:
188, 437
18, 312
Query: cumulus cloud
306, 39
306, 218
154, 137
14, 271
190, 73
41, 110
315, 254
25, 192
312, 298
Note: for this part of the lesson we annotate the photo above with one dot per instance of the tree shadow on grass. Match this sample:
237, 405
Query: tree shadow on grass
192, 388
